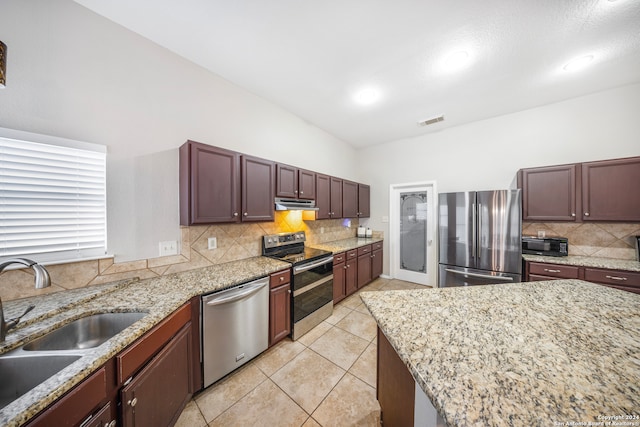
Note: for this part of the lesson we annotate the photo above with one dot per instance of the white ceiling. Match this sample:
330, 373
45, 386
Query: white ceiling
311, 58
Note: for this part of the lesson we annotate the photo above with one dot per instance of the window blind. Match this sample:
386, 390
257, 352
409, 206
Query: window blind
52, 201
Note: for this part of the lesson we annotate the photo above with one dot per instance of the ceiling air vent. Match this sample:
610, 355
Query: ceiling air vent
431, 121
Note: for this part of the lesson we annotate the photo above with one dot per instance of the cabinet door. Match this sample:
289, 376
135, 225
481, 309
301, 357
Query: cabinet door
339, 289
323, 196
548, 193
258, 189
610, 190
286, 181
363, 200
159, 393
306, 184
336, 198
279, 313
376, 263
364, 270
209, 184
351, 272
349, 199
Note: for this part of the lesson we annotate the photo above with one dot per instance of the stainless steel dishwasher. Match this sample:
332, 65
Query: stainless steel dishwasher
235, 327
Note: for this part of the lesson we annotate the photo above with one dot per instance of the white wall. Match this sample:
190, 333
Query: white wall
73, 74
486, 155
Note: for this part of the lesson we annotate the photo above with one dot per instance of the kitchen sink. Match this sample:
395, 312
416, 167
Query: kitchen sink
86, 332
20, 373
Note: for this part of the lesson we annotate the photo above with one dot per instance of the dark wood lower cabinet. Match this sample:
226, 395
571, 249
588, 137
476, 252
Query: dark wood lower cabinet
339, 285
279, 313
279, 306
157, 395
79, 404
625, 280
376, 263
395, 387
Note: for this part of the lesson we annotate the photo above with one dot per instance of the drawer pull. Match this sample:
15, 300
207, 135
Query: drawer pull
552, 271
616, 278
133, 401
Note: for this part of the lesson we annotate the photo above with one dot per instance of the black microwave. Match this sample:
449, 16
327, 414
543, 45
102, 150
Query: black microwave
547, 246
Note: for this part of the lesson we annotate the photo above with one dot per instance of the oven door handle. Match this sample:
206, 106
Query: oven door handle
308, 267
312, 285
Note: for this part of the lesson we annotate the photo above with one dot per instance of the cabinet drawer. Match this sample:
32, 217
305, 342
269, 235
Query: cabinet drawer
376, 246
279, 278
133, 357
75, 406
554, 270
612, 277
364, 250
352, 254
338, 258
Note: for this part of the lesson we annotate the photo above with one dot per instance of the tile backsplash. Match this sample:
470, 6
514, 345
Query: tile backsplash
234, 242
605, 240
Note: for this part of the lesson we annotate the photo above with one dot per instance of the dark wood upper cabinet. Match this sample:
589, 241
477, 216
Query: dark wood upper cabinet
258, 184
209, 184
548, 193
595, 191
323, 196
286, 181
306, 184
611, 190
295, 183
349, 199
336, 198
364, 201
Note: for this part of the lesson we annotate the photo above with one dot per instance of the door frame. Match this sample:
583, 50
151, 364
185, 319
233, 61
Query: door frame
432, 230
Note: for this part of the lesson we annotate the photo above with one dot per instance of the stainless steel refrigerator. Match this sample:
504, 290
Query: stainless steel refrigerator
480, 235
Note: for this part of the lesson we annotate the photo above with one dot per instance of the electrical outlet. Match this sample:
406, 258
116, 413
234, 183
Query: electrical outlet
212, 243
541, 234
321, 230
170, 247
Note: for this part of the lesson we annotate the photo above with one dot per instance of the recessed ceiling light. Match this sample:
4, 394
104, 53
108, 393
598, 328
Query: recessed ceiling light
578, 63
457, 60
367, 96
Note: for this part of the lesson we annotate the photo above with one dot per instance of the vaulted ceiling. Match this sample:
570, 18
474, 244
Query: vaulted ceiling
367, 71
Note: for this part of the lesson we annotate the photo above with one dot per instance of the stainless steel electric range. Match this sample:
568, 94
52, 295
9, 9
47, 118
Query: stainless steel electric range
312, 279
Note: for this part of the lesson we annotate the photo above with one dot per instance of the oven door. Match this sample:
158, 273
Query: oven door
312, 287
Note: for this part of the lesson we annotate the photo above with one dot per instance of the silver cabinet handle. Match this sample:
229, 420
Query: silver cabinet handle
552, 271
133, 401
616, 278
111, 424
302, 192
586, 214
573, 214
246, 214
235, 214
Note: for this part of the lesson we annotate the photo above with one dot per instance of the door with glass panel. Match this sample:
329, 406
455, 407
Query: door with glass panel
412, 234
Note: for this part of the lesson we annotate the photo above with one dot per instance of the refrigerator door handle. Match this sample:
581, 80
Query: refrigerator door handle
479, 229
474, 231
481, 276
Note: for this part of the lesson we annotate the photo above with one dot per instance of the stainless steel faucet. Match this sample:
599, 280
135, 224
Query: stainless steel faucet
43, 280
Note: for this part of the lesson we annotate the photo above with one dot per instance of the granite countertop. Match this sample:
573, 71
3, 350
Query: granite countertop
344, 245
534, 354
587, 261
158, 297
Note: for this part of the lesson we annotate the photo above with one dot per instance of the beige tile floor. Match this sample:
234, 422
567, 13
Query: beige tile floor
326, 378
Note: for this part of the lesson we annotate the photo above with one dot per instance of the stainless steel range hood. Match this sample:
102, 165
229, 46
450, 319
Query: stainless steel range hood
283, 204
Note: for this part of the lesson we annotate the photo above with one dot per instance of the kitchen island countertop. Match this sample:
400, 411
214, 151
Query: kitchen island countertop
535, 354
159, 297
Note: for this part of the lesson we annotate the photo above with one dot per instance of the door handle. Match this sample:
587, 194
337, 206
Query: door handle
480, 276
